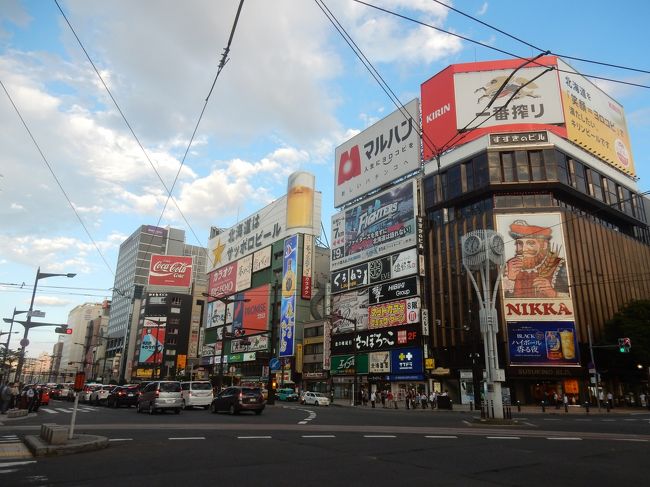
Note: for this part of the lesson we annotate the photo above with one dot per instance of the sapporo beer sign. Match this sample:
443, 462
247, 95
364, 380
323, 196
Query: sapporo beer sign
399, 264
382, 339
170, 270
396, 313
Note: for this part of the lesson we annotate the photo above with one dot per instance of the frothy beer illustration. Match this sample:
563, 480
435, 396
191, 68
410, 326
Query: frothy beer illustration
300, 200
568, 344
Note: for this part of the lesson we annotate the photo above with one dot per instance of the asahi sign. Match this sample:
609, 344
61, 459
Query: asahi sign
170, 270
390, 291
399, 264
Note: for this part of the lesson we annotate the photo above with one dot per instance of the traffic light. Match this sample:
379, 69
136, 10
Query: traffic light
624, 345
63, 329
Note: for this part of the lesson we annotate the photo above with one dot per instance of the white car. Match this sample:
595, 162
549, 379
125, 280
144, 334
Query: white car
99, 395
196, 393
315, 398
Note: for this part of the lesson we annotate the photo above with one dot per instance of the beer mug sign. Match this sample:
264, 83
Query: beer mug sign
300, 200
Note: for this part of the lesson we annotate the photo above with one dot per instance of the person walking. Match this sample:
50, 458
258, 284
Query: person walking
30, 394
5, 398
610, 400
13, 403
373, 398
432, 399
383, 398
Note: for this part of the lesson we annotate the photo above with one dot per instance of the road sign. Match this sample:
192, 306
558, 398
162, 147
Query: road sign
24, 342
274, 364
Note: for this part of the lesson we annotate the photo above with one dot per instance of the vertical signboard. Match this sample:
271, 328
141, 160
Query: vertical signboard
244, 273
152, 341
535, 282
327, 337
307, 260
288, 303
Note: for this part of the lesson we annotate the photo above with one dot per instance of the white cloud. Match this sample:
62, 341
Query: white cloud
483, 10
51, 301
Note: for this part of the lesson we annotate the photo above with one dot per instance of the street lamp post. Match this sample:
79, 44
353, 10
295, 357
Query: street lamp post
28, 323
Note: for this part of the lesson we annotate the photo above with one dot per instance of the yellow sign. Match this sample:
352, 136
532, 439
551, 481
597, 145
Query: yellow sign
312, 340
429, 363
181, 361
595, 121
299, 358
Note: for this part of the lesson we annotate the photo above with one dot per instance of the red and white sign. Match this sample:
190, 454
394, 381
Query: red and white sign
222, 282
307, 257
170, 270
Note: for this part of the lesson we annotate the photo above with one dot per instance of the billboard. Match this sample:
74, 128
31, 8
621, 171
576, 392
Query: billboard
390, 291
373, 340
307, 261
400, 264
262, 259
380, 154
595, 121
351, 307
259, 230
170, 270
252, 316
219, 313
379, 363
406, 361
535, 282
543, 343
380, 225
244, 273
289, 291
395, 313
223, 281
152, 342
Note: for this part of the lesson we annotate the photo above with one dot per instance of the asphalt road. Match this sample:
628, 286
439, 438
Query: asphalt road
299, 445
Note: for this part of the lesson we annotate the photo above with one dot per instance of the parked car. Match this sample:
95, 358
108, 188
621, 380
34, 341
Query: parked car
99, 395
237, 399
122, 396
159, 396
286, 395
196, 393
315, 398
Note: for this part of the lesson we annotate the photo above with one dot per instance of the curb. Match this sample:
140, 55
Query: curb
79, 443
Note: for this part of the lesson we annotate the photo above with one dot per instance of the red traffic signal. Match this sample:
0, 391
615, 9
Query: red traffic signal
63, 329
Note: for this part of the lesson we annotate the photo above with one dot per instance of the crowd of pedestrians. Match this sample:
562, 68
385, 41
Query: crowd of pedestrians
411, 399
11, 397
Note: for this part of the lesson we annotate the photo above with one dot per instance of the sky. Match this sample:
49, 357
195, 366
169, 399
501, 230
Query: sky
291, 92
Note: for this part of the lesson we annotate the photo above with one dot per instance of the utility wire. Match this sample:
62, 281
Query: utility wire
487, 45
49, 166
565, 56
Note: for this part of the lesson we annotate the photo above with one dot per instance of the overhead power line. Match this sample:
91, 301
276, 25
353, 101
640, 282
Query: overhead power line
565, 56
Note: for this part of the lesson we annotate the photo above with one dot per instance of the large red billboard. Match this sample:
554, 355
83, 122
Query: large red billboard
251, 312
222, 282
170, 270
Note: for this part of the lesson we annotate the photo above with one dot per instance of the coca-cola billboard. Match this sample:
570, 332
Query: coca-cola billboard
170, 270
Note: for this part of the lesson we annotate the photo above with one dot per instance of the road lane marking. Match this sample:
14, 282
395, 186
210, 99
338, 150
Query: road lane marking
188, 438
631, 439
120, 439
63, 410
634, 419
254, 437
440, 436
564, 438
15, 464
319, 436
48, 410
503, 438
608, 420
551, 419
379, 436
302, 422
583, 419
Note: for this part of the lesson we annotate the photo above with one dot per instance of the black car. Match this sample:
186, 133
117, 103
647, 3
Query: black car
123, 396
237, 399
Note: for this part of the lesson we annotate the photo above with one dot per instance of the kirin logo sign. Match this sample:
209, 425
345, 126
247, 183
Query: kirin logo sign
170, 270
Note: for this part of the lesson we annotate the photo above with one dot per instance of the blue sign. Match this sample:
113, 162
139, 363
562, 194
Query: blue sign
406, 361
288, 303
552, 343
274, 364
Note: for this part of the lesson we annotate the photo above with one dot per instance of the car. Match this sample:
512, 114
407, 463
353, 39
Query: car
99, 395
237, 399
84, 395
286, 395
315, 398
196, 393
122, 396
160, 396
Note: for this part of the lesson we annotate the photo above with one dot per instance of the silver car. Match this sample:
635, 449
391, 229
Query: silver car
159, 396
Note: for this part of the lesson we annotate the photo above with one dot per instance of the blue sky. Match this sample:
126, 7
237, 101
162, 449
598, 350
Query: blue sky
291, 92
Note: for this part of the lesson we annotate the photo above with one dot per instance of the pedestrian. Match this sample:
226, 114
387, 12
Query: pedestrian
38, 396
30, 401
373, 398
5, 398
14, 395
610, 400
556, 400
407, 399
432, 399
364, 397
565, 400
383, 398
391, 399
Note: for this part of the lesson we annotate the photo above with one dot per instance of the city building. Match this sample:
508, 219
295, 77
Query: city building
540, 154
72, 350
267, 273
133, 279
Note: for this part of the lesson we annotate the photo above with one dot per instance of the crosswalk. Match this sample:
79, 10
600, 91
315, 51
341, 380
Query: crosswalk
81, 409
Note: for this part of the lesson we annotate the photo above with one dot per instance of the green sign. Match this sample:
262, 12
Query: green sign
349, 364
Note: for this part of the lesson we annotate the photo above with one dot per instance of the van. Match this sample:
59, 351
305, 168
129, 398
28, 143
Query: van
160, 396
196, 393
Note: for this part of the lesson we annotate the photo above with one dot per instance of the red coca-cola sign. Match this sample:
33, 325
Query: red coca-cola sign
170, 270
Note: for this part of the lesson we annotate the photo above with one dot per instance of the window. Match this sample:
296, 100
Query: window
468, 176
172, 331
170, 352
313, 331
579, 176
507, 167
594, 180
454, 185
481, 175
171, 340
537, 171
313, 348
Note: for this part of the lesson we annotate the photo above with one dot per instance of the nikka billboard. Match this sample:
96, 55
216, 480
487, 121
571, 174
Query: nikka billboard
382, 224
380, 154
535, 283
170, 270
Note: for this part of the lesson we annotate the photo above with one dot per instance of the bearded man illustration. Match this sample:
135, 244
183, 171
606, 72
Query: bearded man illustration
536, 270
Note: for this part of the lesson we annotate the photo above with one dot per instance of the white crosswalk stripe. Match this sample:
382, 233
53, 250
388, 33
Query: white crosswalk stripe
84, 409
